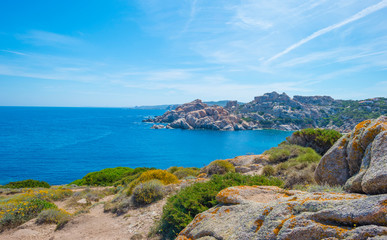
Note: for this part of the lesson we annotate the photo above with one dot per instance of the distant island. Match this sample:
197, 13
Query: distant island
273, 111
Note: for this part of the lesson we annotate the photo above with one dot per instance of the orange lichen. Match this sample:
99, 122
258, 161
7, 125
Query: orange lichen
258, 223
362, 125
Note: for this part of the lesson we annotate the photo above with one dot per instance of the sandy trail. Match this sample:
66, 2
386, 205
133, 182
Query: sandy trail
95, 225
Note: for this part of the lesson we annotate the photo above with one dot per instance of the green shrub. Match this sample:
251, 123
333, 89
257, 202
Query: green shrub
219, 167
284, 152
321, 140
148, 192
182, 207
52, 216
29, 183
162, 175
105, 177
268, 170
186, 172
173, 169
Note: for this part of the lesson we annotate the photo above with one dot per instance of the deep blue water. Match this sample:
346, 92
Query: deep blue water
59, 145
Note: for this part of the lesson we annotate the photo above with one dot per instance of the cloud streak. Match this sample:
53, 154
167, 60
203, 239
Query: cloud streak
365, 12
14, 52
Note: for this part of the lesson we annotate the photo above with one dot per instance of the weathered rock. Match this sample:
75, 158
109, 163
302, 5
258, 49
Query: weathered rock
158, 126
358, 160
333, 166
375, 178
262, 213
198, 115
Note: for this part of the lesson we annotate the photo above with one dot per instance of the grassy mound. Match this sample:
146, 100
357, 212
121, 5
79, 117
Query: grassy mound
182, 207
292, 163
29, 183
105, 177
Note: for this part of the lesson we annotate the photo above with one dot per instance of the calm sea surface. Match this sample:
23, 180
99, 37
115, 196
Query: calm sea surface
59, 145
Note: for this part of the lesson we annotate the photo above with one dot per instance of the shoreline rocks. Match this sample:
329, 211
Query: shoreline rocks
198, 115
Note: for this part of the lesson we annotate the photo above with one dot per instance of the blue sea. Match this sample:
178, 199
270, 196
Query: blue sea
59, 145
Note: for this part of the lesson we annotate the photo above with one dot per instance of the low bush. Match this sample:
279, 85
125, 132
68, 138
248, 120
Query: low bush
290, 152
52, 216
268, 170
304, 176
29, 183
148, 192
173, 169
162, 175
105, 177
219, 167
181, 208
318, 139
186, 172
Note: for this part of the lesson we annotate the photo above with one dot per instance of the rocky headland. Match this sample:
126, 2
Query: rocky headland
198, 115
274, 111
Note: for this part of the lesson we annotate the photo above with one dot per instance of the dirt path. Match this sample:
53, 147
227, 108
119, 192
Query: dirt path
95, 225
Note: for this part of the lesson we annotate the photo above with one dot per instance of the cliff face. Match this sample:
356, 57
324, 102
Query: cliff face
198, 115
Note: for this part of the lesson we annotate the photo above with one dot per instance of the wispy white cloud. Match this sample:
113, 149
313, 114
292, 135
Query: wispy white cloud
191, 15
14, 52
38, 37
365, 12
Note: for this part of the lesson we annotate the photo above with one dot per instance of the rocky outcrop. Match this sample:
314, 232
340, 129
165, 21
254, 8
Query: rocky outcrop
358, 160
275, 111
198, 115
279, 111
267, 213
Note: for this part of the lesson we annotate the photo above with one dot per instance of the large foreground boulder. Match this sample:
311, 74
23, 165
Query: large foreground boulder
266, 213
358, 160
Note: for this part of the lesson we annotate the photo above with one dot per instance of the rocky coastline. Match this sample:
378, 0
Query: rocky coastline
273, 111
349, 200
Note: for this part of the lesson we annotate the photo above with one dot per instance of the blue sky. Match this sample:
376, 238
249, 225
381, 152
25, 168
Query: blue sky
147, 52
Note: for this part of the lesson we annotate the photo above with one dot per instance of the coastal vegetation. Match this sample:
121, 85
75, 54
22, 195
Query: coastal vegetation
321, 140
163, 176
105, 177
148, 192
218, 167
292, 163
182, 207
20, 208
29, 183
53, 215
181, 172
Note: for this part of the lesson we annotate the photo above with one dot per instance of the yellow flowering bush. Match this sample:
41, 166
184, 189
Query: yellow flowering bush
162, 175
17, 209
